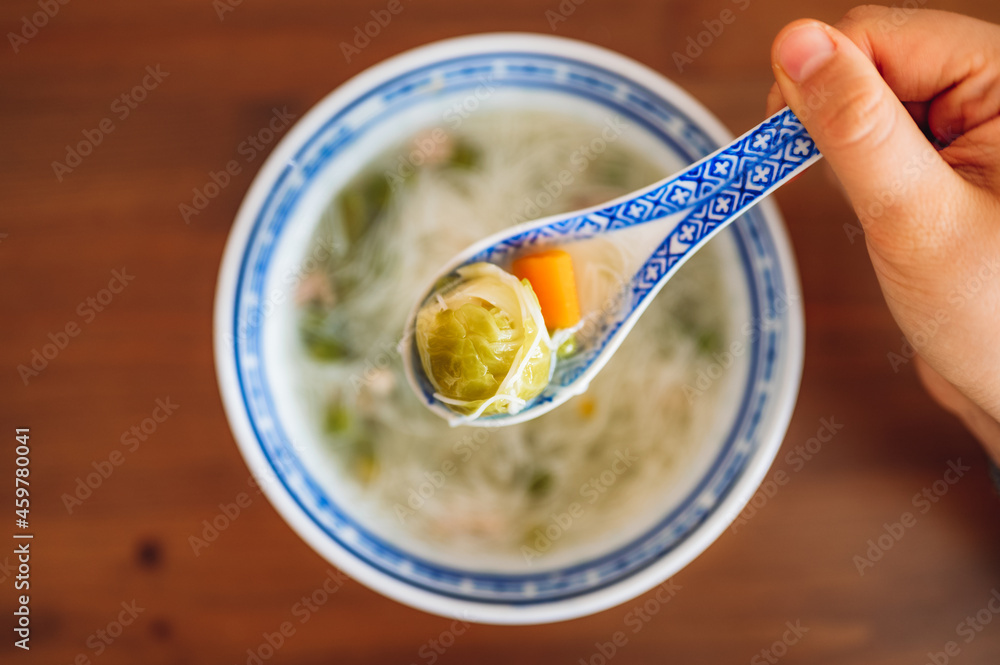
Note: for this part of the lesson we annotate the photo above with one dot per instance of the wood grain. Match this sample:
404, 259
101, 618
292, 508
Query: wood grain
792, 562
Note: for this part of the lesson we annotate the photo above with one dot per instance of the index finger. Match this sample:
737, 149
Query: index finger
945, 66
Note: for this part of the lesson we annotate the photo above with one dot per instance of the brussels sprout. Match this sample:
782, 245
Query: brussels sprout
483, 343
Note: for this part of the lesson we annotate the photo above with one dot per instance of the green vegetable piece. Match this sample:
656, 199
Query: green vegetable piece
322, 348
364, 458
709, 342
322, 335
464, 155
338, 419
613, 171
483, 343
541, 483
362, 204
377, 194
352, 210
567, 348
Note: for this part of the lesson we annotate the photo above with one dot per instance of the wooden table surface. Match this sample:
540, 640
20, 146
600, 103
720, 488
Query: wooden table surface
215, 81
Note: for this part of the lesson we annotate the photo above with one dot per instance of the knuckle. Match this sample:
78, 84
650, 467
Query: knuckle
863, 14
863, 23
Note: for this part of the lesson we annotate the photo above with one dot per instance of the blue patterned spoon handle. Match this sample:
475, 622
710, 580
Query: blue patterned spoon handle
701, 201
718, 190
715, 190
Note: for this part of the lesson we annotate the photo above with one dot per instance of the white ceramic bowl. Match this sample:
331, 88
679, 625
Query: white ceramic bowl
254, 327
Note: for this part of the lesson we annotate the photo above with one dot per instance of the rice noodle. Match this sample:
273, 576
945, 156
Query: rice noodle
509, 487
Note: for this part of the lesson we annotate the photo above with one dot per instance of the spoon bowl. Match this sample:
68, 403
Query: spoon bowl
662, 226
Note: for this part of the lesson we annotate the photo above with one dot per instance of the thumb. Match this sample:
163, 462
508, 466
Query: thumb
876, 149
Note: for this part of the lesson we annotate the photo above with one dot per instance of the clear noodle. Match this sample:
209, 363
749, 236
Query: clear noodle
501, 487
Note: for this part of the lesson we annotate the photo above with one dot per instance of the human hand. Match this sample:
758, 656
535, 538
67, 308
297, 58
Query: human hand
905, 106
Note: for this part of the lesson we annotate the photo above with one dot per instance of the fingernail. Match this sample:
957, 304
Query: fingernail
804, 50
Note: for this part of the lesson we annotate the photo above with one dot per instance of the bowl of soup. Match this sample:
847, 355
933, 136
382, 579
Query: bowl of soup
365, 198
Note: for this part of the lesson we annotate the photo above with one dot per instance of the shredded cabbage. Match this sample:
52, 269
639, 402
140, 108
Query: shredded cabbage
483, 342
